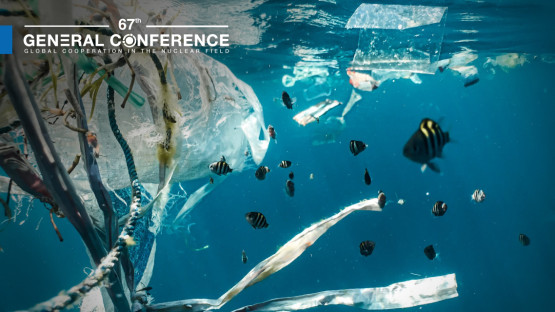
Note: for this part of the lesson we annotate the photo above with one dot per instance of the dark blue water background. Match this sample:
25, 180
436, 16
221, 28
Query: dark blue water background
502, 130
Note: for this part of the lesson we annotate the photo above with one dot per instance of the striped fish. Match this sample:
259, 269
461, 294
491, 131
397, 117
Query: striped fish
285, 164
439, 208
478, 196
426, 144
523, 239
220, 167
366, 248
260, 173
357, 147
256, 219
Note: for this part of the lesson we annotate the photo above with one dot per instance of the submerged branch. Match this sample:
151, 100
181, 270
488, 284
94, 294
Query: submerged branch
74, 163
7, 210
54, 225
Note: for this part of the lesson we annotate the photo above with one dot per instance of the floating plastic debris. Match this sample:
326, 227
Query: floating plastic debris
387, 16
317, 90
506, 61
282, 258
371, 80
314, 112
301, 73
395, 296
362, 81
355, 97
398, 37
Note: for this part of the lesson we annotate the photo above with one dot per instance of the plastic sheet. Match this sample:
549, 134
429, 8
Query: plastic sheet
399, 295
398, 37
391, 16
317, 90
218, 115
302, 73
196, 197
314, 112
371, 80
282, 258
355, 97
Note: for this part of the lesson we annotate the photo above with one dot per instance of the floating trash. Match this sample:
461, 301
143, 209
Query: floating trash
314, 113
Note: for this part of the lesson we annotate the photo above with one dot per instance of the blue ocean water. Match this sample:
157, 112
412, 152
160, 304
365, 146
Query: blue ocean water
501, 130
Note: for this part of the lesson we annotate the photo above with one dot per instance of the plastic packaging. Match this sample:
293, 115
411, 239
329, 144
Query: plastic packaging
398, 37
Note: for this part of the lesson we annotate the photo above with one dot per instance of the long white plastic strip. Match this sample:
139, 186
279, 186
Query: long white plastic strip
283, 257
399, 295
314, 112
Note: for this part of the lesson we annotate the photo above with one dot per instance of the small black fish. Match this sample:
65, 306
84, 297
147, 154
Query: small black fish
290, 188
260, 173
426, 144
430, 252
244, 257
367, 179
285, 164
256, 219
291, 175
471, 81
523, 239
287, 100
357, 147
439, 208
211, 180
220, 167
381, 199
366, 248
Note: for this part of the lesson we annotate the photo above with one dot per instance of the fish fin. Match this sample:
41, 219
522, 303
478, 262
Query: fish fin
434, 167
230, 170
423, 167
223, 158
294, 100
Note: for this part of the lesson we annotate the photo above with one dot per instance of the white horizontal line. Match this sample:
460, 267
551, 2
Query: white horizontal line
187, 26
64, 26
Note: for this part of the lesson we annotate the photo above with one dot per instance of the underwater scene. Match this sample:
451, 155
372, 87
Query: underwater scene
265, 155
